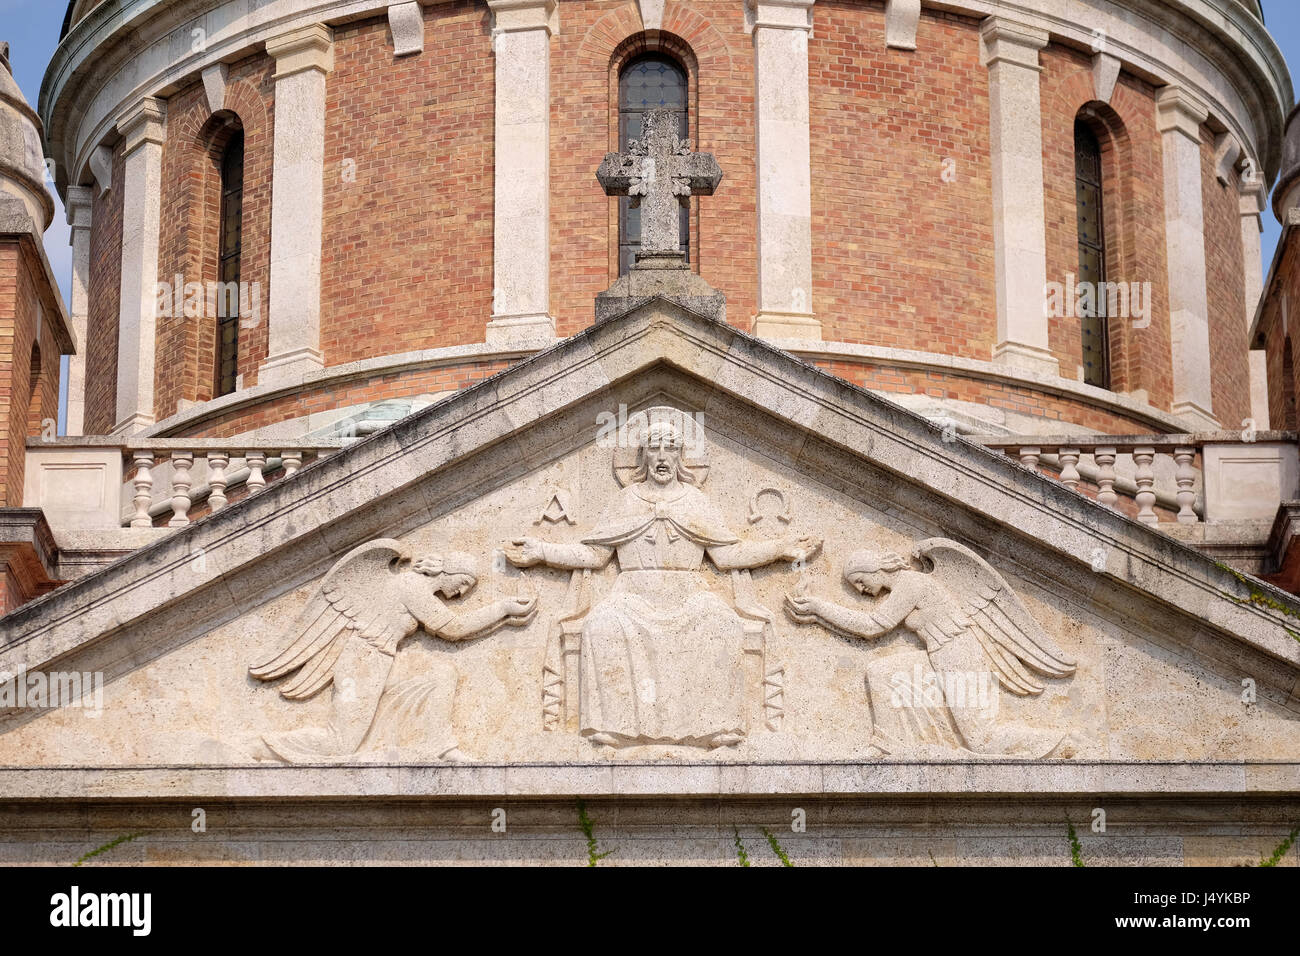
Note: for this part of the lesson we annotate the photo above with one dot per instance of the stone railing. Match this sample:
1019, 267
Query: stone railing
1211, 476
102, 483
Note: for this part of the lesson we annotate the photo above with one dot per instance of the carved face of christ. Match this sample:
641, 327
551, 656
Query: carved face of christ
661, 454
662, 457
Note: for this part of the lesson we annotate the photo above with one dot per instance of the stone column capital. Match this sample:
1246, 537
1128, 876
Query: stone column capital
781, 14
1253, 199
1177, 110
1006, 41
145, 122
514, 16
307, 48
78, 206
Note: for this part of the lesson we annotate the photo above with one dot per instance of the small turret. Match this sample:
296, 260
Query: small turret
22, 161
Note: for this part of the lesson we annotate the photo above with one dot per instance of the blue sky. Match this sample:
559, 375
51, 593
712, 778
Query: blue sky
32, 29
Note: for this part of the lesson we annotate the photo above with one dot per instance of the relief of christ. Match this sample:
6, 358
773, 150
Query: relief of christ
661, 653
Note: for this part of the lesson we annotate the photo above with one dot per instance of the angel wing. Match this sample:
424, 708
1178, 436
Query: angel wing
1012, 640
358, 596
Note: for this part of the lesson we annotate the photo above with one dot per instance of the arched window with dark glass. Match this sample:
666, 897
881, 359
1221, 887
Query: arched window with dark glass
1092, 254
229, 244
647, 83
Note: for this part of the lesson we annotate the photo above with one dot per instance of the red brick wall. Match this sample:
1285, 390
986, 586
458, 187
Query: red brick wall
407, 251
1279, 346
585, 58
29, 392
1133, 206
188, 241
105, 289
1226, 293
901, 257
15, 351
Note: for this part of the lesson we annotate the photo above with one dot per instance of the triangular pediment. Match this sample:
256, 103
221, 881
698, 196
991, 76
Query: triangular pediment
1107, 641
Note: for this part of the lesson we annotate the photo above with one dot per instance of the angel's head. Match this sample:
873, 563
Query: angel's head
870, 572
455, 573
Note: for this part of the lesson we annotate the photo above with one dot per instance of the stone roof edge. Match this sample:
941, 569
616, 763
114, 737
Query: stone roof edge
883, 778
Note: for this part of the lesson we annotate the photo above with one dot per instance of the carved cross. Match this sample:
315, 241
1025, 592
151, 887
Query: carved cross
658, 171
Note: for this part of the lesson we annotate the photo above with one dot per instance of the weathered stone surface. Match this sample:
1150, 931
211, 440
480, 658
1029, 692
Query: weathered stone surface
1129, 663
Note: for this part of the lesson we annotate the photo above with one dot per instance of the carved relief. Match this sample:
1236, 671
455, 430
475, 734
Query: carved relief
977, 634
660, 659
374, 598
560, 504
661, 652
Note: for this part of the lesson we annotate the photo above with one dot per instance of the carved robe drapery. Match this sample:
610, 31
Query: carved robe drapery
661, 654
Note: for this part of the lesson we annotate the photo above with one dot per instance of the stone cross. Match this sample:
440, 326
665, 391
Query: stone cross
656, 170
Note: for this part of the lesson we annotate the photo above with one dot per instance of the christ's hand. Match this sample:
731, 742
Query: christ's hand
525, 552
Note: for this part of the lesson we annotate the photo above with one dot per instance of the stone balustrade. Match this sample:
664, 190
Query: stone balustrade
103, 483
1207, 476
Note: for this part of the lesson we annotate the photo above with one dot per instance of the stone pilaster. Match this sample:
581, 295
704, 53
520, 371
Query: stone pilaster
302, 59
1010, 51
79, 203
1179, 116
144, 129
1253, 202
781, 30
521, 250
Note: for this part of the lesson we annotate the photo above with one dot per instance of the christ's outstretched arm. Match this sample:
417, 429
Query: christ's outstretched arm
756, 554
528, 552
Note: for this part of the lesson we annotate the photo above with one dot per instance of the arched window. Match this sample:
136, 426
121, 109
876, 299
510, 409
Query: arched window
648, 82
229, 243
1092, 254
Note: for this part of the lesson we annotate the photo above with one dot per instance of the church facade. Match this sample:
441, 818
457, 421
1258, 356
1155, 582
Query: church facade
862, 423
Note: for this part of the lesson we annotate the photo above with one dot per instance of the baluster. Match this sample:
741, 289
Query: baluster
182, 461
217, 462
292, 461
1029, 457
1186, 478
1105, 459
1145, 458
1069, 458
256, 461
143, 481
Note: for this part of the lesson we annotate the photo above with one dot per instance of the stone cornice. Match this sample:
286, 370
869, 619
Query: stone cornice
374, 781
1220, 34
